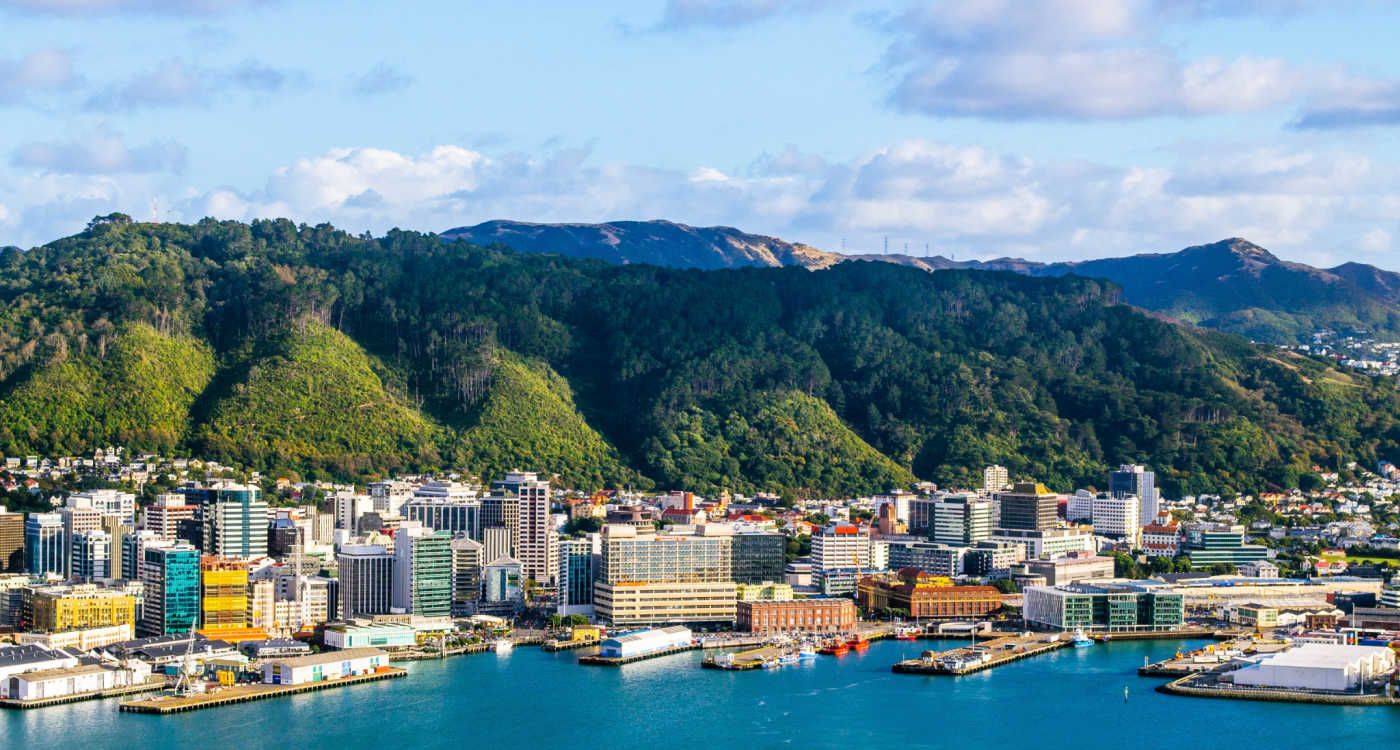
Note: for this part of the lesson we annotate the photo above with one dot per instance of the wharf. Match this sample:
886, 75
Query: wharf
1204, 659
1208, 685
617, 661
993, 653
741, 642
1167, 635
150, 686
555, 645
170, 704
754, 658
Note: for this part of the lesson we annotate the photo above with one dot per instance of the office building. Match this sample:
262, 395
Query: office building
121, 505
45, 546
58, 609
646, 577
1213, 543
223, 583
91, 555
757, 556
1104, 606
932, 557
1028, 507
1136, 481
1116, 516
467, 563
1071, 568
423, 571
1048, 543
133, 551
841, 547
163, 517
496, 542
962, 520
366, 574
235, 522
921, 514
576, 576
11, 541
537, 542
502, 587
79, 517
171, 580
350, 508
450, 508
388, 496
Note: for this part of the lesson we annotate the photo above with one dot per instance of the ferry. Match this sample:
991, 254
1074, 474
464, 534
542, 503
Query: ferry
1081, 640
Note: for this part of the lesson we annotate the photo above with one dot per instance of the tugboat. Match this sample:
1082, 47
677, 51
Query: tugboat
1081, 640
834, 648
858, 642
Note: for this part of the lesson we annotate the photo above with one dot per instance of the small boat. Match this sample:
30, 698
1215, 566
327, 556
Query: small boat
907, 634
807, 652
1081, 640
502, 645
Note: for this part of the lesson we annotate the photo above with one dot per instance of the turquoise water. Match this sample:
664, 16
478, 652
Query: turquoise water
529, 699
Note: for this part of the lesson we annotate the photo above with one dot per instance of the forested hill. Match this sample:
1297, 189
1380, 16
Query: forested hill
305, 348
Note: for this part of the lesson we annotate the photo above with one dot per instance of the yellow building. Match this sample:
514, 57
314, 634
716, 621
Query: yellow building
586, 633
764, 592
223, 588
61, 608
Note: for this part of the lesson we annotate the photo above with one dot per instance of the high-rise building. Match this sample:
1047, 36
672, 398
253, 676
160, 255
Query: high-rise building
366, 580
235, 523
1136, 480
350, 507
646, 577
388, 496
757, 556
841, 547
11, 541
445, 510
576, 573
1029, 507
962, 520
79, 517
57, 609
537, 542
163, 517
502, 585
223, 584
91, 555
423, 571
1117, 516
467, 562
995, 479
107, 503
171, 578
921, 513
1215, 543
133, 552
45, 546
497, 542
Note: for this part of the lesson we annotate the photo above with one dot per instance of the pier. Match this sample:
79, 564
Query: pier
988, 655
595, 660
755, 658
154, 684
557, 645
170, 704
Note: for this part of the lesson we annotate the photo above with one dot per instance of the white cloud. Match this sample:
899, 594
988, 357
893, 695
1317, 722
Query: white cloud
175, 82
1086, 59
101, 153
1317, 206
35, 73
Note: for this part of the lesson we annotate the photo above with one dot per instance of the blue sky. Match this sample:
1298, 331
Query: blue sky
1046, 129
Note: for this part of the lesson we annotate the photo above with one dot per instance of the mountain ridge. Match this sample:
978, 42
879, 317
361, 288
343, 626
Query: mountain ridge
1232, 284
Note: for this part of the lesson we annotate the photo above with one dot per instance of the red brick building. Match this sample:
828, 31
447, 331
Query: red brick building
926, 596
801, 615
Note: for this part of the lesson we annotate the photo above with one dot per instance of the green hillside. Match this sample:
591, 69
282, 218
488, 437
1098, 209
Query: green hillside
300, 348
528, 419
311, 397
136, 390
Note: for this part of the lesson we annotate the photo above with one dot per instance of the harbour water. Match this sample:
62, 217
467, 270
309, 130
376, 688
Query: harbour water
1071, 698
